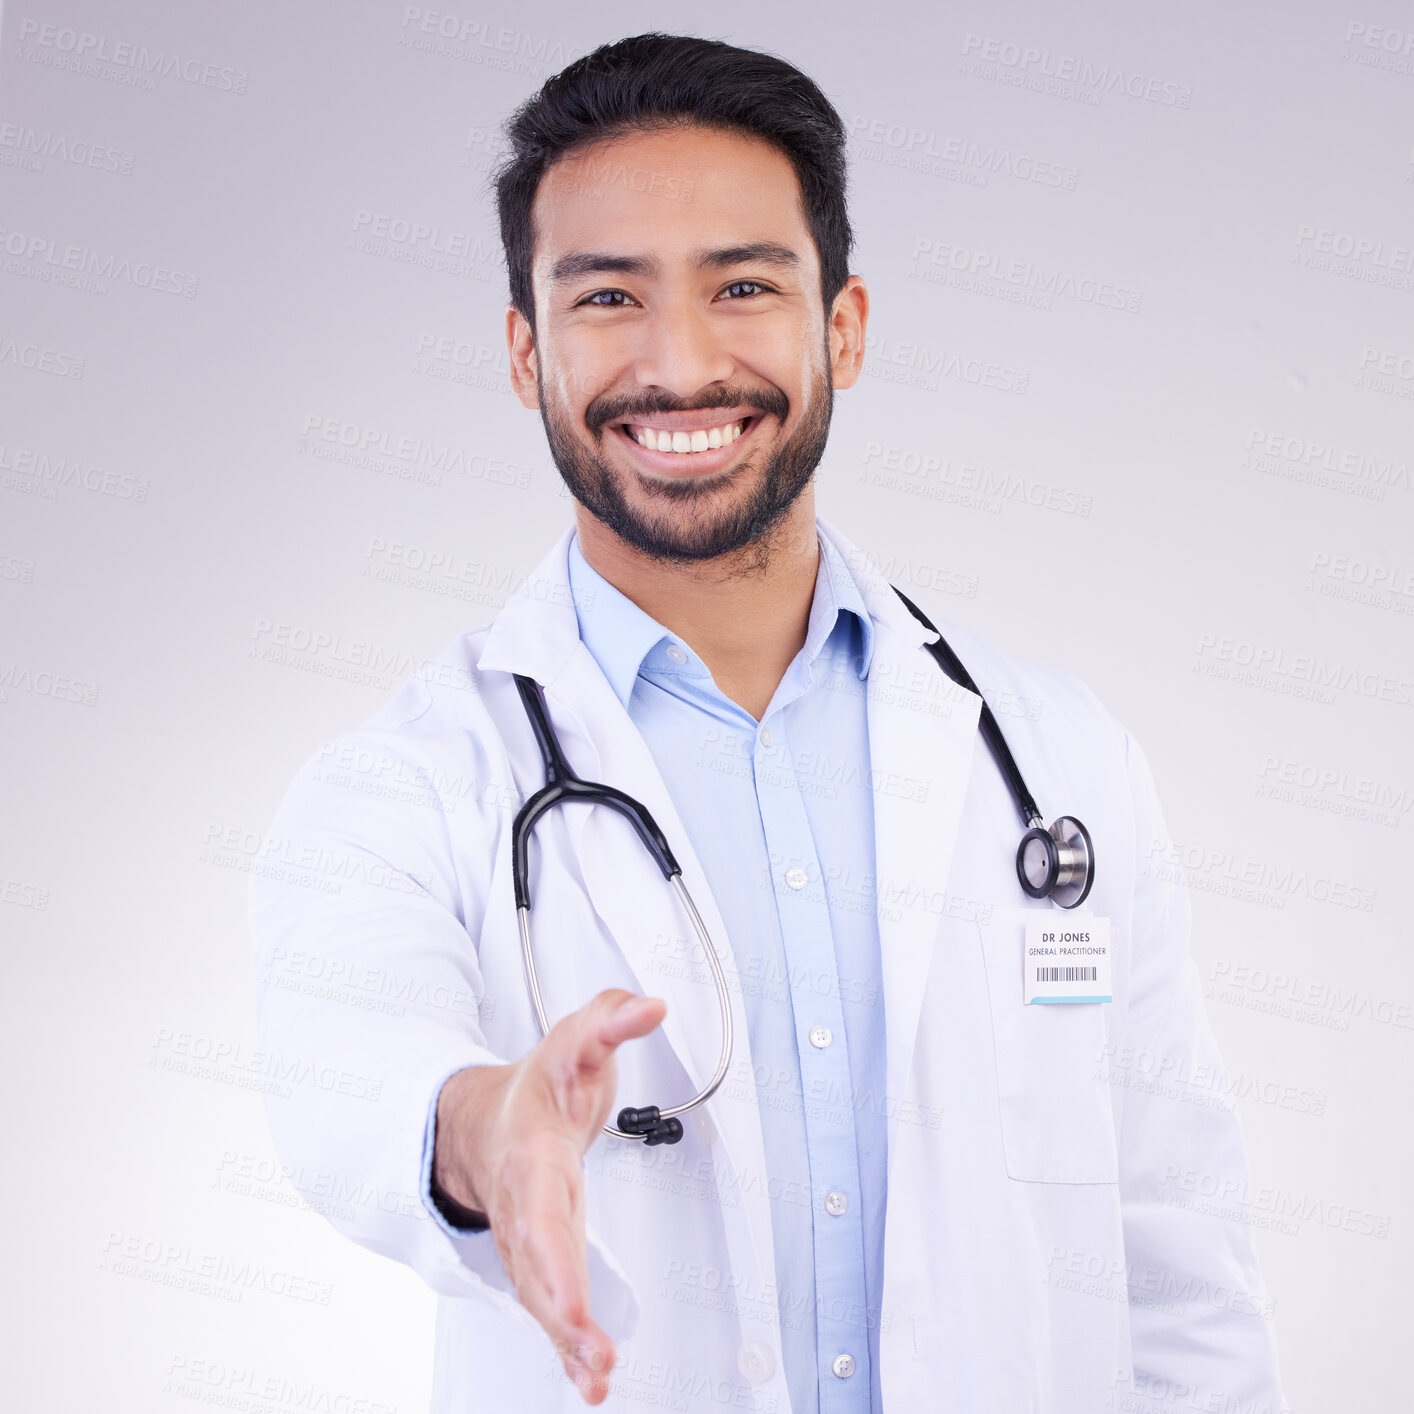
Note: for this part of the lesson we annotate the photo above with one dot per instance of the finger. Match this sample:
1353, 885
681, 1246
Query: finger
592, 1369
551, 1261
636, 1017
612, 1018
589, 1362
585, 1350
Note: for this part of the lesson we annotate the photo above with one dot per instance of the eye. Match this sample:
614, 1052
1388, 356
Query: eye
745, 289
606, 299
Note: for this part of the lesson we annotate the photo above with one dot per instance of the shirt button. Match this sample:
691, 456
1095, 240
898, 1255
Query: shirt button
835, 1204
796, 877
676, 653
843, 1366
821, 1036
765, 736
756, 1362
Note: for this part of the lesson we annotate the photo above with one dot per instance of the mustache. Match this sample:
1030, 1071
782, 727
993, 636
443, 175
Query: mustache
623, 407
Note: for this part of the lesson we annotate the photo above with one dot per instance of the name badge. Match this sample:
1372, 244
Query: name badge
1067, 958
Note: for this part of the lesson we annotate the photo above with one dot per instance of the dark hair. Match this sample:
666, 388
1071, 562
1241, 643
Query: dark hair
668, 80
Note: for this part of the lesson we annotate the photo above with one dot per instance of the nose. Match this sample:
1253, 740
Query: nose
681, 351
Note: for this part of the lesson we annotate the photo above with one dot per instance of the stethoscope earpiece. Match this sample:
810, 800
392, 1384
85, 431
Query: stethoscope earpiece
647, 1124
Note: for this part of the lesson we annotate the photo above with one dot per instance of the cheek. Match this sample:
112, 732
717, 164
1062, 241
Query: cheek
787, 355
586, 362
780, 363
571, 381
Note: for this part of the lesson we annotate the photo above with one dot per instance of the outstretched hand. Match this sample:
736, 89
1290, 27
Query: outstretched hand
510, 1145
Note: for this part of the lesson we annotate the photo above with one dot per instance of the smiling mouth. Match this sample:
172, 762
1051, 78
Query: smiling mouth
687, 442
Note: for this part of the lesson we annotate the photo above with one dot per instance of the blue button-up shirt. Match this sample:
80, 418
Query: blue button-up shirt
780, 814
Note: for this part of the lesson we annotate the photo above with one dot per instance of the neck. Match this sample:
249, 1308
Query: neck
744, 614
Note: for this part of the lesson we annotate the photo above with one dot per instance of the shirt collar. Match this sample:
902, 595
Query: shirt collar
624, 640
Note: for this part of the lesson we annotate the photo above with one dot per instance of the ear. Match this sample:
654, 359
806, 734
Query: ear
525, 364
848, 321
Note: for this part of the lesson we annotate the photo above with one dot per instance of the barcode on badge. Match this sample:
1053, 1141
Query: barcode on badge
1067, 974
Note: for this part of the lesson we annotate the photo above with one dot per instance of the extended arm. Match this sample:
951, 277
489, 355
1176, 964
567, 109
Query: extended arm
370, 998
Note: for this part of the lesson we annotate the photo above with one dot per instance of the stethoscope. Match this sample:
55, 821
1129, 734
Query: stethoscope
1056, 863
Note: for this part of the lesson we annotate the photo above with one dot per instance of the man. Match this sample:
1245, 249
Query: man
916, 1189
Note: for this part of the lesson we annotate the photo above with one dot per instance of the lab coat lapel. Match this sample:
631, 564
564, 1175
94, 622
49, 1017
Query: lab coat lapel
922, 742
537, 633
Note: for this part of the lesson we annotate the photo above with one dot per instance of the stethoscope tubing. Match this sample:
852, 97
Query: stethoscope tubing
951, 664
563, 785
719, 977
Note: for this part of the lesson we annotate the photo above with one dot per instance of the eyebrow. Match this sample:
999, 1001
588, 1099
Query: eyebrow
603, 262
600, 262
754, 253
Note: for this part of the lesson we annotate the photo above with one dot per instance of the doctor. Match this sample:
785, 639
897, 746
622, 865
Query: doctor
915, 1190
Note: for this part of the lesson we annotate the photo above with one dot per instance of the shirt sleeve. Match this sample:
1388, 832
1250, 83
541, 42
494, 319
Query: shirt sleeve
1200, 1316
443, 1212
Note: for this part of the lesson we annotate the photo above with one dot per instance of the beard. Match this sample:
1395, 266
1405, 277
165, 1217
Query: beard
715, 522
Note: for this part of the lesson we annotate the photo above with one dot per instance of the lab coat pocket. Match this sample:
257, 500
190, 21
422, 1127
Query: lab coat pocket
1056, 1115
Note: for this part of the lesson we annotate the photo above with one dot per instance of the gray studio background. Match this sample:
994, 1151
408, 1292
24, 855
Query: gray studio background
259, 460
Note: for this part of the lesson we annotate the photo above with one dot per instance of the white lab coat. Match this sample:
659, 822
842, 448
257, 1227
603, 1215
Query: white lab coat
1049, 1246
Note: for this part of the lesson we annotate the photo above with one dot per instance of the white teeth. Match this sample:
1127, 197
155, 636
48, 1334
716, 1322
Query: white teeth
700, 440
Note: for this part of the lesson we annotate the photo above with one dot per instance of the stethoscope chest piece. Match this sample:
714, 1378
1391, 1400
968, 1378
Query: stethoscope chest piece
1058, 864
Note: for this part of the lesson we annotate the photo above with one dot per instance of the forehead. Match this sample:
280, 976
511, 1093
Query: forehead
670, 194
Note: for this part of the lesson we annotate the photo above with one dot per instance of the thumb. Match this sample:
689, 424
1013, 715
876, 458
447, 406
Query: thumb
613, 1017
633, 1018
